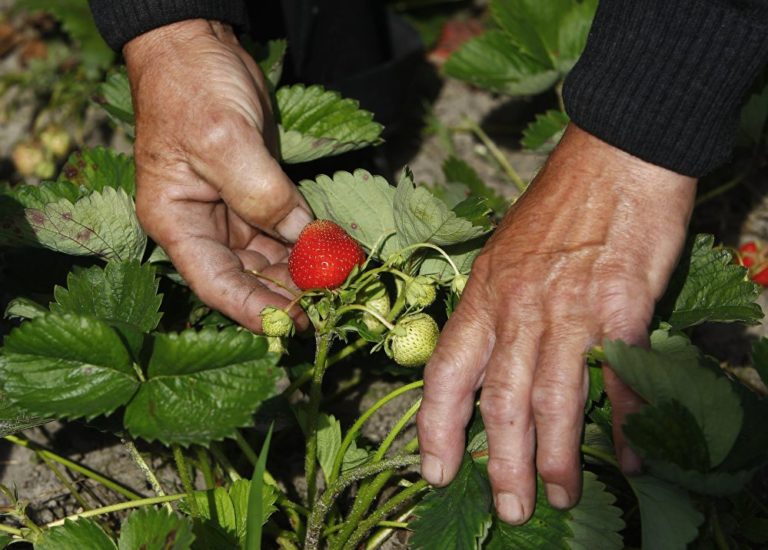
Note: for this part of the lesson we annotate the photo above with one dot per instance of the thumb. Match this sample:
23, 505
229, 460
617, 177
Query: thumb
254, 185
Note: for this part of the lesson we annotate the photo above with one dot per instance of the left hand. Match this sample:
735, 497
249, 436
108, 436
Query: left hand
583, 256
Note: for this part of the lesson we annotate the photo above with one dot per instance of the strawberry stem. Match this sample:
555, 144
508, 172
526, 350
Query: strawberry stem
436, 248
375, 314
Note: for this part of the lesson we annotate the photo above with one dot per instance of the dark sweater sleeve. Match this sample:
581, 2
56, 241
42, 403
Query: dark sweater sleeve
664, 80
119, 21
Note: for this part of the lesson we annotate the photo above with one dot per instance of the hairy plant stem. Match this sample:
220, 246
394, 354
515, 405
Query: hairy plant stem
357, 426
324, 502
186, 480
75, 467
396, 429
146, 470
224, 462
11, 530
559, 94
118, 507
204, 463
346, 351
358, 307
248, 451
497, 154
323, 339
376, 518
366, 494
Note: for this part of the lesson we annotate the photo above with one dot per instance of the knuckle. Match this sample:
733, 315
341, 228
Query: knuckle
555, 400
497, 406
555, 467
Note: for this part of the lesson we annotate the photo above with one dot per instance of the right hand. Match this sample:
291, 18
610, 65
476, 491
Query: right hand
210, 191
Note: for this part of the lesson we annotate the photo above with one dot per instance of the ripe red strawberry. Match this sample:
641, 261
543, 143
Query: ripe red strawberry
323, 256
748, 253
761, 277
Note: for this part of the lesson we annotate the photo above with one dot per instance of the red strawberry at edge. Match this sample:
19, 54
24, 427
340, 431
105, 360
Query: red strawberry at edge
323, 256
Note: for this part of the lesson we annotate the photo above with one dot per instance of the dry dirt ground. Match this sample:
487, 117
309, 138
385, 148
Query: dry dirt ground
49, 499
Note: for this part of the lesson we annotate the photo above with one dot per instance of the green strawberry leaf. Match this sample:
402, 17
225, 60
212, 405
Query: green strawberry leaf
572, 34
420, 217
67, 365
101, 224
316, 123
708, 286
37, 196
533, 26
706, 483
492, 61
155, 529
667, 515
76, 20
239, 492
456, 170
127, 292
224, 514
593, 523
99, 167
328, 442
83, 533
672, 371
456, 516
668, 431
270, 57
361, 203
15, 419
24, 308
546, 130
462, 255
114, 96
202, 386
474, 209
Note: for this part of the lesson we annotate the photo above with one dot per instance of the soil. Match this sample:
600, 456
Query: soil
733, 219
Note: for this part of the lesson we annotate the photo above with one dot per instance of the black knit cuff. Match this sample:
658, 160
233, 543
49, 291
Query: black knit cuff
122, 20
664, 80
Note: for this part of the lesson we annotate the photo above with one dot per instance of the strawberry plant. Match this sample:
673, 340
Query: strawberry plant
119, 343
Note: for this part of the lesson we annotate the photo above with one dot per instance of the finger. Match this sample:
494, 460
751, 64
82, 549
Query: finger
505, 406
217, 276
558, 397
275, 251
451, 379
236, 160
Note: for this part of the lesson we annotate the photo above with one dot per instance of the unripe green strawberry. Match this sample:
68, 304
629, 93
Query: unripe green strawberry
324, 255
55, 140
458, 284
413, 340
276, 322
26, 157
420, 291
381, 306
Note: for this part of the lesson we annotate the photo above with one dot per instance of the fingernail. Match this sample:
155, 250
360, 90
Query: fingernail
558, 496
509, 508
630, 462
432, 469
293, 223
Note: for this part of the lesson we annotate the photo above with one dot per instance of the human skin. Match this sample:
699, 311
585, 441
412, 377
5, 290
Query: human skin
581, 257
209, 188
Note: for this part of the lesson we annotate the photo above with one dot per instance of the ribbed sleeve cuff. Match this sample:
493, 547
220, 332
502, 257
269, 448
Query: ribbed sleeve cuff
119, 21
664, 80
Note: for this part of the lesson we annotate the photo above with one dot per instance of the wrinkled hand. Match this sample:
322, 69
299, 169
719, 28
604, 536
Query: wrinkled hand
209, 190
583, 256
